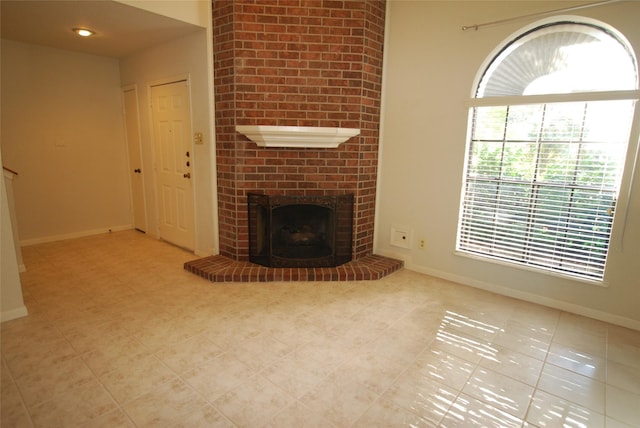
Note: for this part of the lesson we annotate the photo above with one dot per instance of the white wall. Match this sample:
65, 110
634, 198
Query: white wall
62, 130
430, 71
190, 56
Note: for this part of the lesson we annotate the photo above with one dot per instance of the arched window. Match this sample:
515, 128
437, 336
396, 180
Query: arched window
548, 136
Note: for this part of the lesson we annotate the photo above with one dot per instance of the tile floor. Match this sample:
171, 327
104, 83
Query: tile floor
120, 335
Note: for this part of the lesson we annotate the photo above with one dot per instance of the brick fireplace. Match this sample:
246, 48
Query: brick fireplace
307, 63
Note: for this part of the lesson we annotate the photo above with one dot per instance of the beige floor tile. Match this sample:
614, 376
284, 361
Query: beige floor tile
568, 323
384, 414
524, 338
205, 416
467, 347
513, 364
499, 391
228, 332
422, 396
373, 370
537, 318
623, 377
398, 345
173, 404
294, 374
37, 357
13, 412
624, 353
468, 323
165, 345
88, 336
45, 383
436, 365
73, 408
23, 334
584, 391
160, 333
582, 334
253, 402
218, 376
138, 376
578, 361
114, 419
260, 351
325, 350
190, 354
468, 412
297, 415
551, 411
114, 352
623, 405
612, 423
341, 401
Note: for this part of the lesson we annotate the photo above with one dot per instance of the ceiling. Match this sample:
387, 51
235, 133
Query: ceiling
121, 30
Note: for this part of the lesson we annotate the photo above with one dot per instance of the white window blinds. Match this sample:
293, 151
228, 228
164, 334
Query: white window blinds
542, 179
542, 182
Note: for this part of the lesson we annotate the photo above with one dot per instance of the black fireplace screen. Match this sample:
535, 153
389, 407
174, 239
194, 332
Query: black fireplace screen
300, 231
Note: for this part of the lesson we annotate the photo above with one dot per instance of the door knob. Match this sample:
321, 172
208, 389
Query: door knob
137, 171
187, 175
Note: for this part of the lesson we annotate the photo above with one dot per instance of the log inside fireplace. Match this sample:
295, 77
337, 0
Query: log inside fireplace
300, 231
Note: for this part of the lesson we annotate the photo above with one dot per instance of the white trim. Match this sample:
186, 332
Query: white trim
134, 88
14, 313
207, 253
555, 98
213, 163
383, 110
74, 235
297, 136
621, 213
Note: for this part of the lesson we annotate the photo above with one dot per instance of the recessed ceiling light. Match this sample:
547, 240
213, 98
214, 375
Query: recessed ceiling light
83, 32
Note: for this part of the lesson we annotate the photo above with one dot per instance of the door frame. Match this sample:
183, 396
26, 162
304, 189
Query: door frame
185, 77
134, 87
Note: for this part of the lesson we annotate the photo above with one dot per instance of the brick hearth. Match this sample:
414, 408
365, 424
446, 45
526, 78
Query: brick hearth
224, 269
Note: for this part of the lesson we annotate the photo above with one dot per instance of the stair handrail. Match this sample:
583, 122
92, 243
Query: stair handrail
9, 170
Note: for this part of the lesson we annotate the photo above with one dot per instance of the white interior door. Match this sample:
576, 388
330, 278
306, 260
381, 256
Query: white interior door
132, 123
172, 134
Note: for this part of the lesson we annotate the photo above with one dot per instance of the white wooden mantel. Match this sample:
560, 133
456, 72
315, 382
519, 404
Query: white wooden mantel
297, 136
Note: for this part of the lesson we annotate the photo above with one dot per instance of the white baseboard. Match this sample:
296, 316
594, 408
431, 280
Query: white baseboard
74, 235
521, 295
206, 253
13, 314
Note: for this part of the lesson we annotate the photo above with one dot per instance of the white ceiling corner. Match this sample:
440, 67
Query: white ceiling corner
121, 30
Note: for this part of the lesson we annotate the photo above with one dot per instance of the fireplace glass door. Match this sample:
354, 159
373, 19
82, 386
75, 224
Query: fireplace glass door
300, 231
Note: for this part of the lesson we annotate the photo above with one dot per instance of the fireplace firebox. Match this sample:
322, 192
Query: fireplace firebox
300, 231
